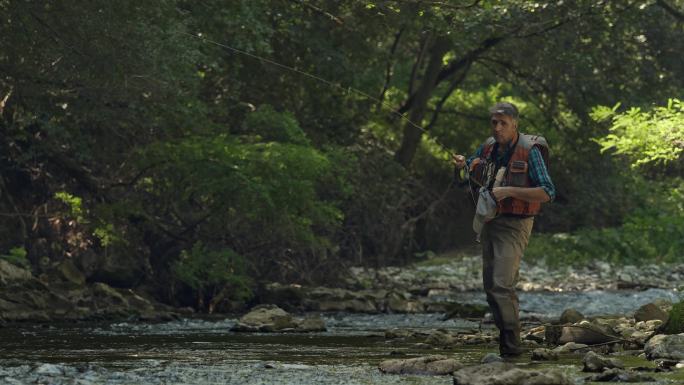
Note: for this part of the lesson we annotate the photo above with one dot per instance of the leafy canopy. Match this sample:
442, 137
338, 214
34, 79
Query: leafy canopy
655, 136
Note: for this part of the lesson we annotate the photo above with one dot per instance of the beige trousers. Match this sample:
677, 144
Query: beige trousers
504, 240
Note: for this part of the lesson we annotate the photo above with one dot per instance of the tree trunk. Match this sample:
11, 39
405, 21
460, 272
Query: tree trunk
412, 129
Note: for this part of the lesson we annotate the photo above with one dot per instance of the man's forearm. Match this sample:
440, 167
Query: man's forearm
528, 194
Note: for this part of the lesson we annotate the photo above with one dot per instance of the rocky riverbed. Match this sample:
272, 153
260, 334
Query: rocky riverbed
386, 326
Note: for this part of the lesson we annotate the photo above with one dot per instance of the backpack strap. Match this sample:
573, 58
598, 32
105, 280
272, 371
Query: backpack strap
529, 141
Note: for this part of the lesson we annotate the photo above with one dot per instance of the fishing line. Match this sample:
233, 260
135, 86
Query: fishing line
320, 79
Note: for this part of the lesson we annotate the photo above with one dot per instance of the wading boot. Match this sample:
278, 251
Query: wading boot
509, 344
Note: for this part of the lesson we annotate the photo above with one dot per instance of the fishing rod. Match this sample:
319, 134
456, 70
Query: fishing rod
347, 89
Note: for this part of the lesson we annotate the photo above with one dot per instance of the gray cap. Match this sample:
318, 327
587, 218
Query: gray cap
505, 108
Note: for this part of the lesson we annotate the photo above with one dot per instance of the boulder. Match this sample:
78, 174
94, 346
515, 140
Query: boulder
107, 296
650, 312
266, 318
586, 333
594, 362
570, 316
13, 274
502, 373
271, 318
67, 272
662, 346
429, 365
542, 354
620, 375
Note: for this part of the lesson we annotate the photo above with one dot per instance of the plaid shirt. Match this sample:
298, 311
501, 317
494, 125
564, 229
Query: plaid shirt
539, 174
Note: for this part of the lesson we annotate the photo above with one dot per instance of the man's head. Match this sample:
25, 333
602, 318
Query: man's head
504, 121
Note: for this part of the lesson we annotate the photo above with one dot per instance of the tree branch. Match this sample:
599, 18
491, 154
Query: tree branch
452, 87
388, 71
454, 66
679, 15
312, 7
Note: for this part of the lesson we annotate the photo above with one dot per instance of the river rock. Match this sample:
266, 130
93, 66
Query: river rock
351, 305
13, 274
594, 362
502, 373
491, 357
570, 316
67, 272
440, 338
266, 318
586, 333
620, 375
650, 312
542, 354
429, 365
108, 295
311, 324
665, 347
535, 334
466, 310
271, 318
399, 333
399, 304
570, 347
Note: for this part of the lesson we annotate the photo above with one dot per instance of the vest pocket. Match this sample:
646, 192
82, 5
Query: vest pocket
518, 174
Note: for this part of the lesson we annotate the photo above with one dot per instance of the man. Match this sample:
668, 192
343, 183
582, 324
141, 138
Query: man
521, 160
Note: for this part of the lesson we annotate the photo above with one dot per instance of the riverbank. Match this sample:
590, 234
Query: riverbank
447, 284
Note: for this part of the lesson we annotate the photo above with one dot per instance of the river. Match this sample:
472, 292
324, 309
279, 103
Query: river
204, 351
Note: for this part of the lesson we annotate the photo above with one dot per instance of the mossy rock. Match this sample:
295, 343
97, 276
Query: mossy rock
466, 310
675, 320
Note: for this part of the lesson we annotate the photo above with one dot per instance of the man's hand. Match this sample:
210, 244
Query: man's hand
501, 192
459, 161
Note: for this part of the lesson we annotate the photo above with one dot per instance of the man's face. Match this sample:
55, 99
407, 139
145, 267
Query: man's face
504, 128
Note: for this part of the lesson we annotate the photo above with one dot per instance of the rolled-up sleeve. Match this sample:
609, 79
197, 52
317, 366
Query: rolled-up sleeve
539, 174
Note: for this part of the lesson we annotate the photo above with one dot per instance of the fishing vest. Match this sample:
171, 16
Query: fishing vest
517, 172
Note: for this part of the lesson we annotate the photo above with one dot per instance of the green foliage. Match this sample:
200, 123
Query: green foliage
260, 198
651, 234
211, 271
74, 203
655, 136
273, 126
16, 256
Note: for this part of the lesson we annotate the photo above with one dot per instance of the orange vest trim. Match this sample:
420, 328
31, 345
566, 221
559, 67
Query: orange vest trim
517, 172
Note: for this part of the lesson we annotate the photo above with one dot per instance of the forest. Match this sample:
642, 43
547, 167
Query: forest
198, 150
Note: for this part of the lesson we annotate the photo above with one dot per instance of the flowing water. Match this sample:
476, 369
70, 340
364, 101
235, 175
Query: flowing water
203, 352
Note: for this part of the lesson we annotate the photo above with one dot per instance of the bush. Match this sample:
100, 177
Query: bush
17, 256
654, 233
215, 275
